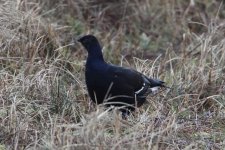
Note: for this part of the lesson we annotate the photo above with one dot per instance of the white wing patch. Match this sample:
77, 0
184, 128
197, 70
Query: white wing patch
154, 90
146, 88
137, 92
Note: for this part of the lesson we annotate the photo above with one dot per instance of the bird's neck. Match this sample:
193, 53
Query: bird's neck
95, 62
95, 59
95, 53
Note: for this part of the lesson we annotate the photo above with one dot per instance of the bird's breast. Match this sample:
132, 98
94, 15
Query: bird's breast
96, 77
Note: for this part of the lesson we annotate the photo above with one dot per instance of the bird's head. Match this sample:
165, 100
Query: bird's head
90, 42
92, 45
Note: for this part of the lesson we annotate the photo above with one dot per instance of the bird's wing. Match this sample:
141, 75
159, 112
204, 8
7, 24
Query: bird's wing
141, 84
154, 82
127, 77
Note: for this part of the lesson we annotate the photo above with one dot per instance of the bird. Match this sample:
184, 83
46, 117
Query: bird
113, 85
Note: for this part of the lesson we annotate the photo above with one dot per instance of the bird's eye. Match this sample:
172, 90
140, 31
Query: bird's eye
87, 40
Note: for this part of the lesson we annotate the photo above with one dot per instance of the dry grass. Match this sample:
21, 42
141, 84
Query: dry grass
43, 98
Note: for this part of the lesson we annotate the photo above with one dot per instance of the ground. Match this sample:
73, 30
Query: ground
43, 98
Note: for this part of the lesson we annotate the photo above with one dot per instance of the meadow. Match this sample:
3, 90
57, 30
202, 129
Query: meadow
44, 102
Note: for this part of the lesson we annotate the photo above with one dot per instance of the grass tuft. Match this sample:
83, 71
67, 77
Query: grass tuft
43, 98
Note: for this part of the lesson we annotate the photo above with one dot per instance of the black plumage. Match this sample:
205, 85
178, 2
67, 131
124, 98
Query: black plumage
114, 85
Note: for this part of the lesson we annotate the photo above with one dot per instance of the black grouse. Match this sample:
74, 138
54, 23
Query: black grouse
114, 85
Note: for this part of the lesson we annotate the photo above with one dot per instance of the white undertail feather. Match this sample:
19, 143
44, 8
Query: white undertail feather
155, 89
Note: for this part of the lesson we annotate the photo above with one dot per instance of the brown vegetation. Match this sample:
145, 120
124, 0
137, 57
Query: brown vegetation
43, 97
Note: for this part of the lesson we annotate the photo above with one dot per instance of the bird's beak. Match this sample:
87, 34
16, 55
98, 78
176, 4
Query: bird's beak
79, 39
76, 39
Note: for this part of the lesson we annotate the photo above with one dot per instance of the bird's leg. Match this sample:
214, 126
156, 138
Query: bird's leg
125, 113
